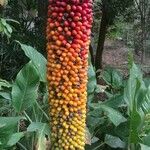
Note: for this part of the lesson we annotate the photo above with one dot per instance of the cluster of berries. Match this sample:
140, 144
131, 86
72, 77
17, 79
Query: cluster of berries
68, 37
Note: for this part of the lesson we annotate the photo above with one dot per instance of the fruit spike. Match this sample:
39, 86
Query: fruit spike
68, 37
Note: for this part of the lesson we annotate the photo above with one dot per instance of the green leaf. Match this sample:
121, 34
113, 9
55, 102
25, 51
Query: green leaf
147, 82
115, 101
144, 147
135, 121
36, 126
12, 20
113, 77
130, 59
133, 86
24, 90
145, 100
114, 141
92, 84
138, 104
38, 60
93, 122
9, 29
1, 27
8, 125
42, 129
15, 138
3, 21
4, 83
122, 131
5, 95
146, 140
5, 27
7, 33
114, 115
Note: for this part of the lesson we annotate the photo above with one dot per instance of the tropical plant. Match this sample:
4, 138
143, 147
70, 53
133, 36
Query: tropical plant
121, 121
24, 106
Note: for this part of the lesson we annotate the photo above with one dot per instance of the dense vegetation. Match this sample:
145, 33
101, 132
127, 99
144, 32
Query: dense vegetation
118, 101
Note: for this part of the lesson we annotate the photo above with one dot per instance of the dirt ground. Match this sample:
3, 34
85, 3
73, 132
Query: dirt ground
116, 55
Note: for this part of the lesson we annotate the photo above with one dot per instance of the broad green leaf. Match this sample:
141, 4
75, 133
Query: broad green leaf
115, 101
113, 77
93, 122
15, 138
42, 129
8, 126
122, 131
144, 147
133, 86
114, 141
114, 115
90, 98
147, 82
94, 119
24, 90
135, 122
36, 126
91, 80
38, 60
145, 101
134, 95
5, 95
146, 140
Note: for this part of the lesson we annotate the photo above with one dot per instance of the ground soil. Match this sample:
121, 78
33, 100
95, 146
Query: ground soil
116, 55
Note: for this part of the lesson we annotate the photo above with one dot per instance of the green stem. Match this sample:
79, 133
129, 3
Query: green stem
96, 148
42, 111
132, 146
35, 114
26, 115
22, 146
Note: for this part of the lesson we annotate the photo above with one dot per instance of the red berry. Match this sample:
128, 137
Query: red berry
68, 8
61, 37
60, 29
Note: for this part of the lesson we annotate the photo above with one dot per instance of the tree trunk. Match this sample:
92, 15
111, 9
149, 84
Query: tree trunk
91, 54
42, 19
42, 8
101, 40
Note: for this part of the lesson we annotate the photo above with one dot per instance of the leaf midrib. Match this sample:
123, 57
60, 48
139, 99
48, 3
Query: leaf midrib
40, 135
26, 84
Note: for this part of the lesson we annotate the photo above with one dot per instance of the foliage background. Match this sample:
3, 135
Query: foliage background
118, 105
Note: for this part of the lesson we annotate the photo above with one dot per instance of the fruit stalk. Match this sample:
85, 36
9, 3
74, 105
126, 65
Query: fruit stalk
68, 37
